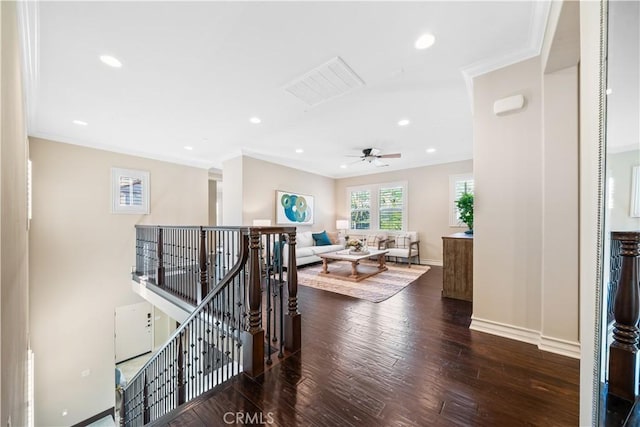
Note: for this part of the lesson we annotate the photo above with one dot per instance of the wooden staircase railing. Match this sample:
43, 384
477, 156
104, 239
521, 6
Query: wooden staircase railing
236, 277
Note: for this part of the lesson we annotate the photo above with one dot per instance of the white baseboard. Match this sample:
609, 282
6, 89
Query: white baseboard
544, 343
504, 330
435, 262
560, 346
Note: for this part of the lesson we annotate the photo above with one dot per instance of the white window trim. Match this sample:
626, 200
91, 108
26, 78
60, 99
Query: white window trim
375, 208
116, 173
453, 220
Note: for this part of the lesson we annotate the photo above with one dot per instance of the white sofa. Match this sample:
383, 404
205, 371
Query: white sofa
306, 250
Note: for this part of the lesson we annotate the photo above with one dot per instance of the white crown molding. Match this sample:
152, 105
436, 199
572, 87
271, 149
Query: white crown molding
29, 33
232, 155
537, 28
196, 163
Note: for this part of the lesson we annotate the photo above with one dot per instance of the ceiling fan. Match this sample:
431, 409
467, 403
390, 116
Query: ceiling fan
372, 155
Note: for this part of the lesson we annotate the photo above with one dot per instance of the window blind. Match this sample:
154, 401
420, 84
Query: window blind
391, 203
360, 210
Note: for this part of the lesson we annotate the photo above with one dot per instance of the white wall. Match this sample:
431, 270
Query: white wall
428, 202
508, 200
13, 227
81, 257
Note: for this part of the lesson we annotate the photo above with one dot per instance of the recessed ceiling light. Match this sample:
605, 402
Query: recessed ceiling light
431, 150
110, 61
80, 123
403, 122
188, 148
424, 41
255, 120
299, 150
343, 166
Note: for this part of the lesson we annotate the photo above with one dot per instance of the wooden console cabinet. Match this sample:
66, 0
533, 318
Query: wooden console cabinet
457, 272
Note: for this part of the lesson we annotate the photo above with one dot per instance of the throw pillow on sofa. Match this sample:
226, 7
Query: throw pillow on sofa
304, 239
334, 237
321, 239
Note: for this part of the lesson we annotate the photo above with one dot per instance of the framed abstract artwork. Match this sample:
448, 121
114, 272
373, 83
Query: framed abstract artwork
293, 208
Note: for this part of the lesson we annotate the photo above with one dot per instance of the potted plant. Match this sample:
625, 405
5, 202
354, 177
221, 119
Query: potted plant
465, 207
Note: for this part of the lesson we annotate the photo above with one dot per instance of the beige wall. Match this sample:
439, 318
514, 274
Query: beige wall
508, 174
213, 196
13, 227
81, 258
428, 202
232, 197
560, 308
261, 179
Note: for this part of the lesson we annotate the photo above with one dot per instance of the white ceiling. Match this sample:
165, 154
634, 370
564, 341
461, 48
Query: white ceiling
194, 73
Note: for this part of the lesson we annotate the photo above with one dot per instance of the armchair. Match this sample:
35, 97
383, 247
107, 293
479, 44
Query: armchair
404, 245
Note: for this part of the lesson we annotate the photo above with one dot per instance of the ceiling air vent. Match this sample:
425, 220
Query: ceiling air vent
330, 80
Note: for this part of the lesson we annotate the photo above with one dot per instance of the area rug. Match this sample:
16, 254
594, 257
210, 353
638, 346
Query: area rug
376, 288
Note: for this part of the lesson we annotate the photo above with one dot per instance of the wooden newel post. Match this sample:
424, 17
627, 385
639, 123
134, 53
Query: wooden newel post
204, 287
160, 280
292, 320
623, 351
253, 339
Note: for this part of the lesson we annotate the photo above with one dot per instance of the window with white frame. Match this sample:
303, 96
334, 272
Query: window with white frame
458, 185
129, 191
378, 207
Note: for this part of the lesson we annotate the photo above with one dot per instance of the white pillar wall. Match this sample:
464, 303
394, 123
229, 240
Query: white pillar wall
508, 220
560, 215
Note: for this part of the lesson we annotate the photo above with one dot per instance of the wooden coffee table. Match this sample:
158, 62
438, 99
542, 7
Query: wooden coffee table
358, 271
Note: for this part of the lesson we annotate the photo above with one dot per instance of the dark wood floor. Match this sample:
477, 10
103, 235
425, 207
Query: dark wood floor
408, 361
